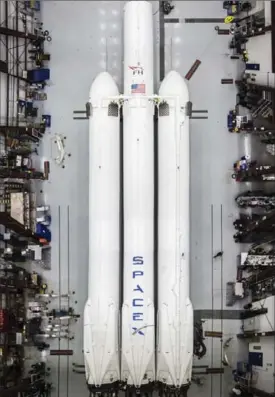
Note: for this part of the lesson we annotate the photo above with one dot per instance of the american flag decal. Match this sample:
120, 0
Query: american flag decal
138, 88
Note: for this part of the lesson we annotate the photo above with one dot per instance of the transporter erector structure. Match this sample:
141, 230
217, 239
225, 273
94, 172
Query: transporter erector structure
143, 341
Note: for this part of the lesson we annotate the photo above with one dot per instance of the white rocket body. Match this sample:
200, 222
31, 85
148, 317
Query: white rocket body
175, 312
101, 313
139, 360
138, 315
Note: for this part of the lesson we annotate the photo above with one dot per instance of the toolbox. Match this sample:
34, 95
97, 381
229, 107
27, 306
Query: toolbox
252, 66
38, 75
46, 120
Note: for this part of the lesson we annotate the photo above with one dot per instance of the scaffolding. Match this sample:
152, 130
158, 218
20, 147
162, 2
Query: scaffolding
19, 28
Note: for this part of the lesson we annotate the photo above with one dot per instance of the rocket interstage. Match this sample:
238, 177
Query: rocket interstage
138, 314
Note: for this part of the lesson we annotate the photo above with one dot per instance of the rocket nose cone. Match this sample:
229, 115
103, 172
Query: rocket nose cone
103, 86
137, 5
174, 85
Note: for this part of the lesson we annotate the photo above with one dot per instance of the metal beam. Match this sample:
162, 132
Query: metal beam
61, 352
261, 87
273, 36
171, 20
218, 314
18, 129
18, 77
15, 33
251, 334
204, 20
213, 334
223, 32
3, 67
261, 33
209, 370
253, 313
12, 224
193, 69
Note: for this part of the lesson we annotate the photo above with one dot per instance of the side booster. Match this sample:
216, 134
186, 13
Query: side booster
138, 314
101, 313
175, 312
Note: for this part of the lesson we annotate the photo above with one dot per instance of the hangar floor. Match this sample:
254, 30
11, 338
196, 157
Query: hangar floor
87, 38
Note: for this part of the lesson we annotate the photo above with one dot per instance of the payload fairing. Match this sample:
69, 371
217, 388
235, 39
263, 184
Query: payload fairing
139, 342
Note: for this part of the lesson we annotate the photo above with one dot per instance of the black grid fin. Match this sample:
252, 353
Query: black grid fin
164, 109
113, 110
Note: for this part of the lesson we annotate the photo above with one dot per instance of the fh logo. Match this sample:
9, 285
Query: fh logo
138, 300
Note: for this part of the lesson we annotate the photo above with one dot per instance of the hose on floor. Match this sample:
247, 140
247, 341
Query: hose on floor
199, 346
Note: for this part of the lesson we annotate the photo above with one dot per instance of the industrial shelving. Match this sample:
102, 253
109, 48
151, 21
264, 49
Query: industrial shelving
17, 33
272, 37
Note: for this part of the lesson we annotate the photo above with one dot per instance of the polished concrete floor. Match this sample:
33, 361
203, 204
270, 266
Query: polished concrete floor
86, 39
